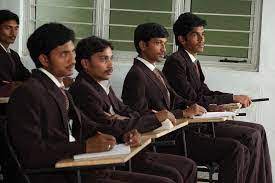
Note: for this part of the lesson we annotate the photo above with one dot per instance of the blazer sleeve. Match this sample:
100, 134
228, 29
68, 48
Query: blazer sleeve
134, 92
28, 132
91, 105
176, 74
22, 73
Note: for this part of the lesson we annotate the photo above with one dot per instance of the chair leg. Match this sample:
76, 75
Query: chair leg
78, 176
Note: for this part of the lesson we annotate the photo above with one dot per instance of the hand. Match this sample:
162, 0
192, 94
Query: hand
193, 110
132, 138
242, 99
100, 142
165, 114
216, 108
115, 116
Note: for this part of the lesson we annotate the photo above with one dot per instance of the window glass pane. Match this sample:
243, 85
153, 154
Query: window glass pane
222, 6
135, 18
127, 33
79, 3
156, 5
63, 14
227, 38
222, 22
122, 46
81, 31
226, 52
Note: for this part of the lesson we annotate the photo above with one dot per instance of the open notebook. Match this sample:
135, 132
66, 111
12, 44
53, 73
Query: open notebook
119, 149
215, 115
165, 125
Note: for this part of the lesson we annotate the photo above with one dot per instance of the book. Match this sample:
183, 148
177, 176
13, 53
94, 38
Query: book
119, 149
165, 125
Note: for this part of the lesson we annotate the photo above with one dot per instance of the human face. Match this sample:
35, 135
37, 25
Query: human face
153, 50
100, 65
61, 60
8, 32
194, 41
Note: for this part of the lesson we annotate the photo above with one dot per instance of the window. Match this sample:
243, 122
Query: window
232, 34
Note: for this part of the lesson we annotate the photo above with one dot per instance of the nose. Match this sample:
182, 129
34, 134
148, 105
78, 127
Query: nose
110, 63
163, 48
201, 38
72, 59
14, 31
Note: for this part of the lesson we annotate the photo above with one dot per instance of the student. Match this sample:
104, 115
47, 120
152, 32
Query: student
11, 67
184, 73
44, 124
94, 95
145, 90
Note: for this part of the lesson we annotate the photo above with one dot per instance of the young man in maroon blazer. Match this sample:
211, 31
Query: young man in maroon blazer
184, 73
145, 88
12, 71
45, 126
93, 94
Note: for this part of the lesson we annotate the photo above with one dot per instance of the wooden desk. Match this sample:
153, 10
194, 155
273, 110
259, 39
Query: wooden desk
103, 161
4, 100
156, 134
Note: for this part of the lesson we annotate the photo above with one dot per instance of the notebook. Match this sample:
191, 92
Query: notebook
215, 115
165, 125
119, 149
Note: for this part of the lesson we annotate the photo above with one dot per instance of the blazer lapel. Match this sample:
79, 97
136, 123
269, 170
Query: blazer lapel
155, 80
55, 93
93, 85
191, 67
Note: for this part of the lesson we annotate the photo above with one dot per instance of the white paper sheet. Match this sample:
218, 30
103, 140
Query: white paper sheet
215, 115
165, 125
119, 149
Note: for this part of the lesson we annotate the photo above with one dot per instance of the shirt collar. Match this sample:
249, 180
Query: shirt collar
56, 82
192, 57
7, 50
105, 85
148, 64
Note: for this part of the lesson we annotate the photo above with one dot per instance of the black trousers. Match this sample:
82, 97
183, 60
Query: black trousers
232, 156
178, 168
253, 136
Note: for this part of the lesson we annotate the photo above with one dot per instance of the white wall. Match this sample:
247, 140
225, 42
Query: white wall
255, 84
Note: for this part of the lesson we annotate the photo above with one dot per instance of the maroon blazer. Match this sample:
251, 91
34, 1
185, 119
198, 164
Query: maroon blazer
143, 91
38, 124
6, 73
181, 73
91, 98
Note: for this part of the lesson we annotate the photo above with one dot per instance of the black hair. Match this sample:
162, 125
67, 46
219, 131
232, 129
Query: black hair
87, 47
185, 24
46, 38
6, 15
145, 32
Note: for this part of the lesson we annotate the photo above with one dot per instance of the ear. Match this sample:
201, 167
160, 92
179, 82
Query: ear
142, 45
84, 64
182, 40
43, 59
